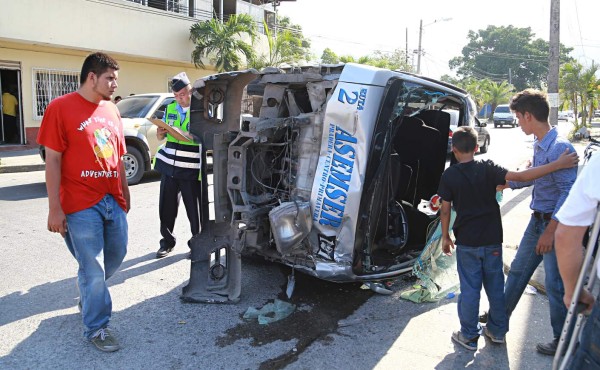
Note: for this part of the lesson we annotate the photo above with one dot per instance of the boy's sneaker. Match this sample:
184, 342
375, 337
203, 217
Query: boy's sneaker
470, 344
499, 340
105, 341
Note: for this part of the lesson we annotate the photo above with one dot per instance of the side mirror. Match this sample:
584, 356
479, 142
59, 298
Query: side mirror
159, 114
482, 124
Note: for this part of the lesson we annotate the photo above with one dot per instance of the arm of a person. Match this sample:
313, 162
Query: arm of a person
125, 187
57, 221
447, 243
565, 160
569, 254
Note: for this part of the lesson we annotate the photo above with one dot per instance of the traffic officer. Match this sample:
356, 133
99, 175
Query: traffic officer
178, 162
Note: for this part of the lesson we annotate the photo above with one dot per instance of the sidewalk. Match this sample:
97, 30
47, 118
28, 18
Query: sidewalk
21, 161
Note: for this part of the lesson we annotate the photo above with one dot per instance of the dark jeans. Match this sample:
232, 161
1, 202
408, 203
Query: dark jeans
587, 356
479, 266
523, 267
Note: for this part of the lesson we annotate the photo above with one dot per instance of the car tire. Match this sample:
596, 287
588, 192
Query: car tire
484, 148
495, 125
134, 165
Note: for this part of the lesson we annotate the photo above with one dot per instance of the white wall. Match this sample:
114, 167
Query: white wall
108, 25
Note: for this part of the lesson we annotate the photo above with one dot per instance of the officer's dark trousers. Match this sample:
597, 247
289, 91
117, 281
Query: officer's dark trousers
171, 190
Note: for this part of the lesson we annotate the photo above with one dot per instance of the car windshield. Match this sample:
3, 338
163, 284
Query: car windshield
136, 106
503, 109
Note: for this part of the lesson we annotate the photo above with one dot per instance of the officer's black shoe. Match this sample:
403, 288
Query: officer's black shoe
163, 251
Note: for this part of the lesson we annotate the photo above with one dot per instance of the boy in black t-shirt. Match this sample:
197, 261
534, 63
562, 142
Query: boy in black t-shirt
471, 188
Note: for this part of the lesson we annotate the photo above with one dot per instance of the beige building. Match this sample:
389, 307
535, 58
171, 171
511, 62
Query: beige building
43, 44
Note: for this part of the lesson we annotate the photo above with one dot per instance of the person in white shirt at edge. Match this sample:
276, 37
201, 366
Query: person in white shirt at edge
576, 214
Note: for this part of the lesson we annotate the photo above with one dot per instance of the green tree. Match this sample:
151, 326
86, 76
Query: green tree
280, 50
495, 52
329, 57
299, 48
222, 42
394, 60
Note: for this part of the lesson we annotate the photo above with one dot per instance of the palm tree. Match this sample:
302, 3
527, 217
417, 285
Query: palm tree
570, 82
222, 43
589, 92
497, 93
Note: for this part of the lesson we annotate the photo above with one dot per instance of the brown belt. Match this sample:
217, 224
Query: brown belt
542, 216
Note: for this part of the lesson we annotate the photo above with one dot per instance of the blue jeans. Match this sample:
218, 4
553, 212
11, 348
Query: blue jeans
587, 355
523, 267
477, 266
97, 238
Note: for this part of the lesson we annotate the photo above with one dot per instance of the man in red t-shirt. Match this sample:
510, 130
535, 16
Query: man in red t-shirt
87, 188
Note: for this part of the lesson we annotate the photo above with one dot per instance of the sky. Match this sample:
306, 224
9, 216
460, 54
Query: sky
357, 28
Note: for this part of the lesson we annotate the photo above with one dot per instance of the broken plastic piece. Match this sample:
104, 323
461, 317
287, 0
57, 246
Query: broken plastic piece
270, 312
290, 285
378, 288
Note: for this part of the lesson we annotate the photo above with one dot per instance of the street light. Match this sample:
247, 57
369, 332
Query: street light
419, 51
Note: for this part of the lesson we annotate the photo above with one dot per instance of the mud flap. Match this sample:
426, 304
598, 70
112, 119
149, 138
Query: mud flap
215, 272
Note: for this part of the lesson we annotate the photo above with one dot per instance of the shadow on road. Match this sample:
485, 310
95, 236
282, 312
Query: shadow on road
62, 294
23, 192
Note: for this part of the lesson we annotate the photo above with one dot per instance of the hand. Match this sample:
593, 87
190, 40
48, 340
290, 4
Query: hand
447, 245
567, 160
545, 242
525, 165
160, 133
502, 187
57, 222
585, 298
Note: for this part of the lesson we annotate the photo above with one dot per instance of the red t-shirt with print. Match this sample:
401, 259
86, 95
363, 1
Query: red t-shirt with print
90, 138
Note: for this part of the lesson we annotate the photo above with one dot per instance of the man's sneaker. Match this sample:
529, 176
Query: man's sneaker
547, 348
499, 340
105, 341
470, 344
163, 251
79, 305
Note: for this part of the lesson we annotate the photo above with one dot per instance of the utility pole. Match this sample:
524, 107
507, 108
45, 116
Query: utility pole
419, 50
553, 61
510, 76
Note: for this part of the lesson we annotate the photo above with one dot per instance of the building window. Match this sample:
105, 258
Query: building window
49, 84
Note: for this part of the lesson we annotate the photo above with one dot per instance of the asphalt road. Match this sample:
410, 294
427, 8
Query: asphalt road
335, 326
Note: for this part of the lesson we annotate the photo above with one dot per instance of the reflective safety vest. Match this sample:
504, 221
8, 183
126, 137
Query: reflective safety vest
179, 159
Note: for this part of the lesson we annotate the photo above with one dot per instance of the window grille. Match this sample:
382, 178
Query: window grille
49, 84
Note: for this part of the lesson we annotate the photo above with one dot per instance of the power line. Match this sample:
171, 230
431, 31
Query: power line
579, 27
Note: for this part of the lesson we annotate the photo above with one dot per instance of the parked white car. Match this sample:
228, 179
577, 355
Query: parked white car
565, 115
140, 133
